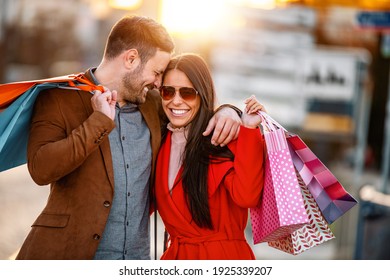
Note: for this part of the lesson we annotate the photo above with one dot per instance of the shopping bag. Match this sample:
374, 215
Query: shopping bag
281, 210
310, 235
331, 197
16, 105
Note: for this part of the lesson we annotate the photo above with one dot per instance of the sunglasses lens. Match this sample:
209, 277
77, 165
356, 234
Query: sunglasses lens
187, 93
167, 93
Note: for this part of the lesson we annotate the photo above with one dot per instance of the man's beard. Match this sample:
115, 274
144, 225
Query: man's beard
133, 86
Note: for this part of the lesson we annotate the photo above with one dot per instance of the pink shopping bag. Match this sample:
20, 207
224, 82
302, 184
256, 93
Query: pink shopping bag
331, 197
310, 235
281, 210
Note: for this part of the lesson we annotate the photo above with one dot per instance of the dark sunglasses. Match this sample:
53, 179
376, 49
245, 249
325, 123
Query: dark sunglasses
186, 93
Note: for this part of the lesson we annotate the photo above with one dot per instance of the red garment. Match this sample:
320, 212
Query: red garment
233, 188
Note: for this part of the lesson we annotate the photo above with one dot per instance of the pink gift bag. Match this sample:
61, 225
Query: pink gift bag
331, 197
308, 236
281, 210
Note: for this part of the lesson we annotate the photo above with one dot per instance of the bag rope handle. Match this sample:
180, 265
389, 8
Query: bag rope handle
269, 123
83, 83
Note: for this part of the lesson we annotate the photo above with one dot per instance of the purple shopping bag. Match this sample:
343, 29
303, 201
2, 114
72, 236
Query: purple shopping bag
331, 197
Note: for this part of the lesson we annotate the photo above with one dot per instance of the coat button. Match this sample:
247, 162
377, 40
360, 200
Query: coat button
106, 204
96, 236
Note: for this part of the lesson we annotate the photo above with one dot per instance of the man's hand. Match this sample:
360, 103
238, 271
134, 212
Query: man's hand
104, 102
226, 124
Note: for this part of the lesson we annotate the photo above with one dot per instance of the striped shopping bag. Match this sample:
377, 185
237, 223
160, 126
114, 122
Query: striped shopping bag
331, 197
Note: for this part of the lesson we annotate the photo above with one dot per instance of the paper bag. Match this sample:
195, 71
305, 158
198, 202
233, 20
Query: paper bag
16, 106
281, 210
331, 197
308, 236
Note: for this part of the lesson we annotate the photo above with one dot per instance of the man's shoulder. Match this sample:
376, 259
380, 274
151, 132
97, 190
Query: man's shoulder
153, 98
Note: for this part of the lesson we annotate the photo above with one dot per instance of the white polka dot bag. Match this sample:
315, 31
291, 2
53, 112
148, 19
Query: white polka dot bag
281, 210
316, 232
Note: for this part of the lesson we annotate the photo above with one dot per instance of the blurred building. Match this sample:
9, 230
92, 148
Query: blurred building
318, 71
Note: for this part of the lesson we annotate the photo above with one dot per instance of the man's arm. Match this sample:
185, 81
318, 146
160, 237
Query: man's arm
225, 123
53, 152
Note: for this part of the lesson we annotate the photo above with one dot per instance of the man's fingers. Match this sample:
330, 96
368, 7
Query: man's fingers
229, 132
114, 96
225, 124
219, 133
96, 93
225, 132
210, 127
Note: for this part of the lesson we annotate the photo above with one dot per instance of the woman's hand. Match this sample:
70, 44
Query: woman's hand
250, 118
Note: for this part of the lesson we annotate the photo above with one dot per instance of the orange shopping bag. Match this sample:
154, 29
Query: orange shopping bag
16, 104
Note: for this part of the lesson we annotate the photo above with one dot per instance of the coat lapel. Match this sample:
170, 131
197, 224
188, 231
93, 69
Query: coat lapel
173, 207
104, 147
149, 111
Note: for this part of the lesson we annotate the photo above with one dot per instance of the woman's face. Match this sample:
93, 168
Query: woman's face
181, 109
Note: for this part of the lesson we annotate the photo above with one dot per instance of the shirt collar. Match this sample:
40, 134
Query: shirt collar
91, 72
129, 107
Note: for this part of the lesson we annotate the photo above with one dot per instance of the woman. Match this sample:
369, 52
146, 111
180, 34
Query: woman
203, 192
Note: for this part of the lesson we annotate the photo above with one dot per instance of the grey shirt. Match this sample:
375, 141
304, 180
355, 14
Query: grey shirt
126, 235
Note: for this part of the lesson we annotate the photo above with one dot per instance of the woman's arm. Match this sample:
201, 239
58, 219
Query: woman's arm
246, 182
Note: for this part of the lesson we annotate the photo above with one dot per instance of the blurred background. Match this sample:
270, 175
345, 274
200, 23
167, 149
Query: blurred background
321, 68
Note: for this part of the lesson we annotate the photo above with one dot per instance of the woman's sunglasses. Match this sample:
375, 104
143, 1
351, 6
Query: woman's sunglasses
186, 93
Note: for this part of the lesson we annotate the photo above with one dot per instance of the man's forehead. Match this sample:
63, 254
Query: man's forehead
160, 61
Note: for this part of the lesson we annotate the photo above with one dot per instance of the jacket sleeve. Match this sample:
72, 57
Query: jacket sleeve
245, 181
55, 148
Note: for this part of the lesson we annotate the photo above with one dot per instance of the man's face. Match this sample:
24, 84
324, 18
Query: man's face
145, 77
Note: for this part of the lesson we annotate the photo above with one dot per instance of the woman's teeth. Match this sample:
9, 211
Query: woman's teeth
179, 112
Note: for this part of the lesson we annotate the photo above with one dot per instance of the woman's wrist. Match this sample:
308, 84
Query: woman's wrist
251, 126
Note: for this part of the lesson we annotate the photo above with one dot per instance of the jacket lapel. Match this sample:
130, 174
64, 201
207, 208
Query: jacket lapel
104, 147
173, 208
149, 111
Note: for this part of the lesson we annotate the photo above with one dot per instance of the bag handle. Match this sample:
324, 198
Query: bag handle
10, 91
83, 83
269, 123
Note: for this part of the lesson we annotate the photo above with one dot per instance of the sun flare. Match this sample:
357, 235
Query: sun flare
186, 17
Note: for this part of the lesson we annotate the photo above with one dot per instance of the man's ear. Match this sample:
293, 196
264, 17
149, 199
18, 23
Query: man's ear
131, 56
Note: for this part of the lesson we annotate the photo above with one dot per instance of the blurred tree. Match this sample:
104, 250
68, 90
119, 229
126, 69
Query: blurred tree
47, 38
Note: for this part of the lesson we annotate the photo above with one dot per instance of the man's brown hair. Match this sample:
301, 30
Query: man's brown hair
138, 32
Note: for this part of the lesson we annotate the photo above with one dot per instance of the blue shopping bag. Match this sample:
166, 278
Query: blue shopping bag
15, 119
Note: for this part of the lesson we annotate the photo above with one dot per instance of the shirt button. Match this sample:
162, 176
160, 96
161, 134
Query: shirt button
128, 194
123, 137
96, 236
127, 166
106, 204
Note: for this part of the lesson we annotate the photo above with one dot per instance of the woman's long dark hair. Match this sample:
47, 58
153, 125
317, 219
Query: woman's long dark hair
199, 151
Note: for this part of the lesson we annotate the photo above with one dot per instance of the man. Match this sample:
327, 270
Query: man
98, 154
